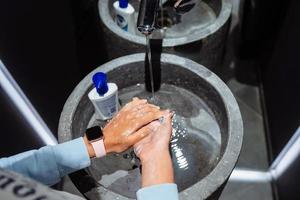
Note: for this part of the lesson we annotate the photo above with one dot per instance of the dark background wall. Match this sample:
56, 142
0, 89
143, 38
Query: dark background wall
16, 135
281, 86
281, 82
270, 42
48, 46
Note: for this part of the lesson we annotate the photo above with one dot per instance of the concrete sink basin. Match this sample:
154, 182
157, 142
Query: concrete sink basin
207, 129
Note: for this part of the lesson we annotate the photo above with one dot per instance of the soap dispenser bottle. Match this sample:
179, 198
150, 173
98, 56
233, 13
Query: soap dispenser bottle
124, 15
104, 97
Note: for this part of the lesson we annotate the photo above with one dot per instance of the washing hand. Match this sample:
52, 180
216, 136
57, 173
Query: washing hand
153, 151
127, 127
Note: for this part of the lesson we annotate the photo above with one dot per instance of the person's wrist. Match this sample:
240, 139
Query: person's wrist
157, 169
107, 146
89, 148
154, 155
107, 143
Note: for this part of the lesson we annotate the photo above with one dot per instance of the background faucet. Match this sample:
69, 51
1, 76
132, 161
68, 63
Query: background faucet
147, 16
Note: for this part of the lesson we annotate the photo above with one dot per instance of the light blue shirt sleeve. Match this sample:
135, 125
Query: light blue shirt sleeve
50, 163
158, 192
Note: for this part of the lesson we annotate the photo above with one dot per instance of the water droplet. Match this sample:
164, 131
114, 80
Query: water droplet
126, 156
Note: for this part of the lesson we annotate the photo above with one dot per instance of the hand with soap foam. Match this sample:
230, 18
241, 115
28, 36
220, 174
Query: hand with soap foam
128, 126
153, 151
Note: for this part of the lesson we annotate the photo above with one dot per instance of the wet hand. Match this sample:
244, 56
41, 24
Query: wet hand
157, 142
123, 130
153, 151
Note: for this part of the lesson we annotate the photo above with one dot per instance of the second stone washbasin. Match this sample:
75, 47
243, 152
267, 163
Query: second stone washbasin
199, 34
207, 128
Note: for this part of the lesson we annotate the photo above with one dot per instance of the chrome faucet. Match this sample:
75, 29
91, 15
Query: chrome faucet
149, 10
147, 16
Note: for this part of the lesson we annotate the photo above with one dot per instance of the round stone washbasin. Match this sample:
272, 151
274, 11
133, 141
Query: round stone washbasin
207, 128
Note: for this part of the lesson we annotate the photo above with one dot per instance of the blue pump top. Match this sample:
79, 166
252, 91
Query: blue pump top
100, 83
123, 3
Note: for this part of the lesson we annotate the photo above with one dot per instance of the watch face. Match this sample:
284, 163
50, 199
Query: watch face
94, 133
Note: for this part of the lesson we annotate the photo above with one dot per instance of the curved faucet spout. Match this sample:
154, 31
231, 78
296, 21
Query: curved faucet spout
147, 16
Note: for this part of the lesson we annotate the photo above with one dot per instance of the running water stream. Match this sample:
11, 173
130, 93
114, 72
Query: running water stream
148, 52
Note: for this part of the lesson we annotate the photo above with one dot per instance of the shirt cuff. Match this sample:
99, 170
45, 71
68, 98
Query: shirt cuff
158, 192
71, 156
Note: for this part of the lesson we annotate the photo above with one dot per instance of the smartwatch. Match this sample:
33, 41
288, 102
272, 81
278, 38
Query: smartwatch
95, 138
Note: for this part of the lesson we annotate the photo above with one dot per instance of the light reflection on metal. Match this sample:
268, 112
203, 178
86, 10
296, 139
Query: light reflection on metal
26, 109
287, 156
250, 176
284, 160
